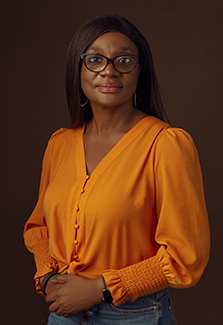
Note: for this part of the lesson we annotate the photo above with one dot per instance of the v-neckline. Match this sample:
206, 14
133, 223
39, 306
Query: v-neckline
118, 148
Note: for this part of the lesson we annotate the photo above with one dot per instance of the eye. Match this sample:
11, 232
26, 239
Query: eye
124, 60
94, 59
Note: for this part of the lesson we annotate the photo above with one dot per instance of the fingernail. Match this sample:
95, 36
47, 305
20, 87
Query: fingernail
91, 313
83, 314
95, 308
51, 278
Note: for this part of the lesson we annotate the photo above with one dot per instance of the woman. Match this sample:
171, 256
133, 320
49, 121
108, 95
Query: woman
121, 213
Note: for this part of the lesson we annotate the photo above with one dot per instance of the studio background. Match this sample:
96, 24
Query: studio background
187, 44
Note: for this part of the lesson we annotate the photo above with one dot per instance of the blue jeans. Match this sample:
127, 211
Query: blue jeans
154, 309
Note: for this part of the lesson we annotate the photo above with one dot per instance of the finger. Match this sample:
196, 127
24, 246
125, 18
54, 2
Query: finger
53, 307
60, 312
58, 278
51, 297
95, 308
50, 287
90, 312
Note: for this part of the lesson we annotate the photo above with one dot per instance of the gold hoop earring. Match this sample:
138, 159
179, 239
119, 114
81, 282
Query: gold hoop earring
82, 105
135, 99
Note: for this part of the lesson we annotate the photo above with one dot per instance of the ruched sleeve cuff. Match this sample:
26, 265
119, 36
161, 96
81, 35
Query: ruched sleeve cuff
37, 241
135, 281
44, 262
41, 254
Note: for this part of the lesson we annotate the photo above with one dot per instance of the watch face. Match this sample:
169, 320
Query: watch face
107, 296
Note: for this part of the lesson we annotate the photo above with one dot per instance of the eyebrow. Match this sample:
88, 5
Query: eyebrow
120, 48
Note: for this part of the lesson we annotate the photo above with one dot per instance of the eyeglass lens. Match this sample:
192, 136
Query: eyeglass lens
123, 63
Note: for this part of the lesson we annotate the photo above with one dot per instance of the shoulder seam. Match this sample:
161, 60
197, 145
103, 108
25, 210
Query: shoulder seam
61, 130
175, 131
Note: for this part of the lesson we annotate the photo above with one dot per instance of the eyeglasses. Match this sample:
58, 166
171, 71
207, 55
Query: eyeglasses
98, 62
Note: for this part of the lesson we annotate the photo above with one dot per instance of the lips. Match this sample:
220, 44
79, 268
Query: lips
109, 87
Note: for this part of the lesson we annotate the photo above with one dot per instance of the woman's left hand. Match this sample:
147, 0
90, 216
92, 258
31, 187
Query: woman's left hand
76, 295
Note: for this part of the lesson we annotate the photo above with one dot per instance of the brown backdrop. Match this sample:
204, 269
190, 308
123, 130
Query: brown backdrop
186, 41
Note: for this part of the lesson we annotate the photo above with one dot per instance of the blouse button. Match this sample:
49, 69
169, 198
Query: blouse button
75, 242
77, 226
77, 208
87, 177
75, 257
82, 191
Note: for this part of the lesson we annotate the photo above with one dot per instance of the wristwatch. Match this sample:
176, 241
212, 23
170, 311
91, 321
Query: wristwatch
107, 297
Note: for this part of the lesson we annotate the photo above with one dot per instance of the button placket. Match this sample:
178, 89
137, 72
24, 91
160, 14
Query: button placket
77, 226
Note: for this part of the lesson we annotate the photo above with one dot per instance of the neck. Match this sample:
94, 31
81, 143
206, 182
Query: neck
109, 120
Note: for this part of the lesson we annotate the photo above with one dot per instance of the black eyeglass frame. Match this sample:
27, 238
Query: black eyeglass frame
84, 55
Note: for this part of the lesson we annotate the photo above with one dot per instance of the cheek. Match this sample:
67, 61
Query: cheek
132, 82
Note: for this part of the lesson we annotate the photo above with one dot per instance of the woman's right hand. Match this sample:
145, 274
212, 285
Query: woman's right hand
75, 295
51, 286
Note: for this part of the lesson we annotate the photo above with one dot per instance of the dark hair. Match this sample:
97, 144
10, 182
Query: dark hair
148, 95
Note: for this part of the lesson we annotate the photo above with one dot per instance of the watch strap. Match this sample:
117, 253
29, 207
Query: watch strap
107, 297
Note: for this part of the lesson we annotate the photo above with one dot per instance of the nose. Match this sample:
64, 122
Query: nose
109, 71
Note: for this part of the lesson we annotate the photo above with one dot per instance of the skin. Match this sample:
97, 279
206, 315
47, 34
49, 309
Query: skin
114, 112
111, 96
72, 294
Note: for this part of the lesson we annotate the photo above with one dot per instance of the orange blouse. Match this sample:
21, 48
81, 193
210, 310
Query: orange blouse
139, 219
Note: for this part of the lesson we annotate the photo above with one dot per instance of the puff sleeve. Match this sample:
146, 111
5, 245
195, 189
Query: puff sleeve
182, 232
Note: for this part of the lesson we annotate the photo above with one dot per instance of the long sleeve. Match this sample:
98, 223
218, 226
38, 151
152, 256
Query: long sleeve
182, 231
144, 202
36, 235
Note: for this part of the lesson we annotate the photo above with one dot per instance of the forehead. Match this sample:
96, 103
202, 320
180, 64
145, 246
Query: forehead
113, 41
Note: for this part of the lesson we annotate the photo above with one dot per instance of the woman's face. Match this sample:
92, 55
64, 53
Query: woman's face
109, 87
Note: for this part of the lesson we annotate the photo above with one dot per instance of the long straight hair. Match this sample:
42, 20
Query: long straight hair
149, 98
